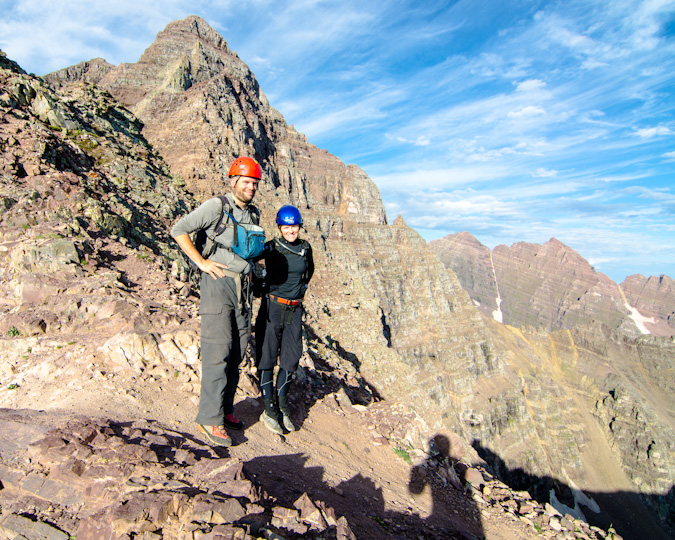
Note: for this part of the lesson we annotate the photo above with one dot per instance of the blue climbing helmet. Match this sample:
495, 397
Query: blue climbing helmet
289, 215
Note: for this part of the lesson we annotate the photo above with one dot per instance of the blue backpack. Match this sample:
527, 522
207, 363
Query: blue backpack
248, 239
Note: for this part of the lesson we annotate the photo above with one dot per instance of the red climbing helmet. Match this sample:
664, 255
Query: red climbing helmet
245, 166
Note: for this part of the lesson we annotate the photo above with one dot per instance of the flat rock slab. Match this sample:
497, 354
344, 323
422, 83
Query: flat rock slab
20, 428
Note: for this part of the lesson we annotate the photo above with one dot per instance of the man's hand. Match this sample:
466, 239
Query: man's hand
212, 268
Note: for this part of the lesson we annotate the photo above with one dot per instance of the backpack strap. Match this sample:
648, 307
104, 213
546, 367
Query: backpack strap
255, 214
304, 253
301, 253
226, 204
226, 210
210, 244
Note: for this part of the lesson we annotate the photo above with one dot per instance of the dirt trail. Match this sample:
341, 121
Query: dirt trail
333, 457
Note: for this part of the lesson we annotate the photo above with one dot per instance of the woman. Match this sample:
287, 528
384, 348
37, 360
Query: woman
289, 267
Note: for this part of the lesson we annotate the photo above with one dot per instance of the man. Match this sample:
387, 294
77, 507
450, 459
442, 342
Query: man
225, 300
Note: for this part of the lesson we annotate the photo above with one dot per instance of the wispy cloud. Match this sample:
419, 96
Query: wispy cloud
657, 131
544, 173
530, 85
74, 30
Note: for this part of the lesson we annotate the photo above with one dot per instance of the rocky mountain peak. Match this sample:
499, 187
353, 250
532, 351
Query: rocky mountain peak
91, 71
399, 221
555, 242
555, 249
187, 52
197, 26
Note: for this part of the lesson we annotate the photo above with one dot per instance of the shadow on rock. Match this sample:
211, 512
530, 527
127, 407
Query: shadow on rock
632, 515
317, 377
361, 501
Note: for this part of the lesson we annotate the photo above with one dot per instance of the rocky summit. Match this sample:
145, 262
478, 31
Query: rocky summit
421, 415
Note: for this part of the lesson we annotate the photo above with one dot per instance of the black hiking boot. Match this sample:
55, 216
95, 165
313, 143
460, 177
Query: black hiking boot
286, 414
270, 417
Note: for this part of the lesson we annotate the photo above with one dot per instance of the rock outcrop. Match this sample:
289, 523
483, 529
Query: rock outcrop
94, 479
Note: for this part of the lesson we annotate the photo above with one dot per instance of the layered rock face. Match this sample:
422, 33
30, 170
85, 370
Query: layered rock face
381, 299
474, 266
654, 298
559, 286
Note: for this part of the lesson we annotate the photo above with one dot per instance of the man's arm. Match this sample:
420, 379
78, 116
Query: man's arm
212, 268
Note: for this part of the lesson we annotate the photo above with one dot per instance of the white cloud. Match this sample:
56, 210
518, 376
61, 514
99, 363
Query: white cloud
530, 110
545, 173
261, 62
648, 133
662, 194
482, 154
530, 85
422, 140
645, 23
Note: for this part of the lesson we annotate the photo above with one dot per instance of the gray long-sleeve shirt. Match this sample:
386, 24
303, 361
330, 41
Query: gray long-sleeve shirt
206, 217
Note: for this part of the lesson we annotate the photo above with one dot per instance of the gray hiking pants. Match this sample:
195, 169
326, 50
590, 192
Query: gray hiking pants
225, 330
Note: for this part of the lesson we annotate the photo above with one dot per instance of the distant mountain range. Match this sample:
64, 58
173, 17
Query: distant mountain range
553, 287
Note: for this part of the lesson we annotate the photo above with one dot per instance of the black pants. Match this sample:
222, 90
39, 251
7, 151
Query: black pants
283, 335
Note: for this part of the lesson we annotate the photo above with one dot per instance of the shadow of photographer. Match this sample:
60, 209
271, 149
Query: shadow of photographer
453, 515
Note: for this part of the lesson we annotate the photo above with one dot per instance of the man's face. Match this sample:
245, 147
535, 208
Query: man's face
244, 188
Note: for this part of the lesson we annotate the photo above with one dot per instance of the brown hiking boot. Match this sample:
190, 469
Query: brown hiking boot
216, 435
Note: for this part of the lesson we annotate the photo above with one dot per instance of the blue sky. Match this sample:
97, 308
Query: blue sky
515, 121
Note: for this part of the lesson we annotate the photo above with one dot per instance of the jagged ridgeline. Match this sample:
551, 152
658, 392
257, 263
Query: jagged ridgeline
75, 160
586, 408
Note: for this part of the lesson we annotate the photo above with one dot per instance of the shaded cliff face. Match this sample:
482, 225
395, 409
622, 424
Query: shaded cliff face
474, 266
381, 299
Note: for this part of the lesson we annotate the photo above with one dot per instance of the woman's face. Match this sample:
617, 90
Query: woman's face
290, 232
